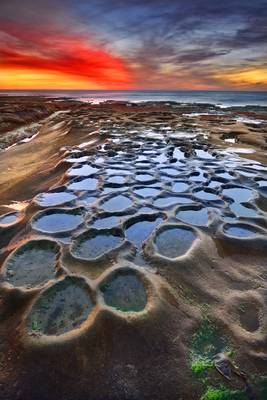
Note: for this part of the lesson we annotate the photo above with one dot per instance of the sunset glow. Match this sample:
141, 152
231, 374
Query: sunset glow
248, 77
58, 61
33, 79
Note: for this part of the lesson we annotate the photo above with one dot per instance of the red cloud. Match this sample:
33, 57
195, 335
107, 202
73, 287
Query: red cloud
60, 52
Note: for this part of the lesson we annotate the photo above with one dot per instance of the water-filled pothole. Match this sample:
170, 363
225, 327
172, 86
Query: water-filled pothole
32, 264
147, 192
224, 175
178, 187
214, 184
52, 199
95, 243
245, 173
160, 159
241, 230
116, 180
144, 178
78, 159
86, 200
61, 308
238, 194
173, 242
194, 216
243, 211
57, 220
9, 218
171, 200
105, 222
83, 184
124, 291
146, 210
139, 230
83, 170
170, 172
206, 195
110, 171
205, 155
117, 203
198, 177
143, 165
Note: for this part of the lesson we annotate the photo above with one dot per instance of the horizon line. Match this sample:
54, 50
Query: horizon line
133, 90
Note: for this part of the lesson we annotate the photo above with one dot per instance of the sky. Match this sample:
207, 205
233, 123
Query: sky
133, 44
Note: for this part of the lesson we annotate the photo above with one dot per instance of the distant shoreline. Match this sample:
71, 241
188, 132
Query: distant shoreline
219, 98
133, 90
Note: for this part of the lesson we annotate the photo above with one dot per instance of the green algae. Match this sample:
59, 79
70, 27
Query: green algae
201, 365
207, 342
259, 384
223, 394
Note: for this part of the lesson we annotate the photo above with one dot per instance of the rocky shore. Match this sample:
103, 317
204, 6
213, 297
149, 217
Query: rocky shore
133, 247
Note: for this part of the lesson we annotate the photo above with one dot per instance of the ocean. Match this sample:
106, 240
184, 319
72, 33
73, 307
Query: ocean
221, 98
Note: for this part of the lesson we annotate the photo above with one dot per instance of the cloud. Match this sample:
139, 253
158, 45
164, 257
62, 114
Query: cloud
67, 53
156, 43
197, 55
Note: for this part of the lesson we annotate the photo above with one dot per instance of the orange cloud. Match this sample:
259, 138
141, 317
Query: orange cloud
33, 59
245, 78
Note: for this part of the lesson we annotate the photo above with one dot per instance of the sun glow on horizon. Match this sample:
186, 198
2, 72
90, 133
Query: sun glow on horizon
32, 79
23, 79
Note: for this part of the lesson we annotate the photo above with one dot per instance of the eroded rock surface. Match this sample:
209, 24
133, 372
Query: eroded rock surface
133, 249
